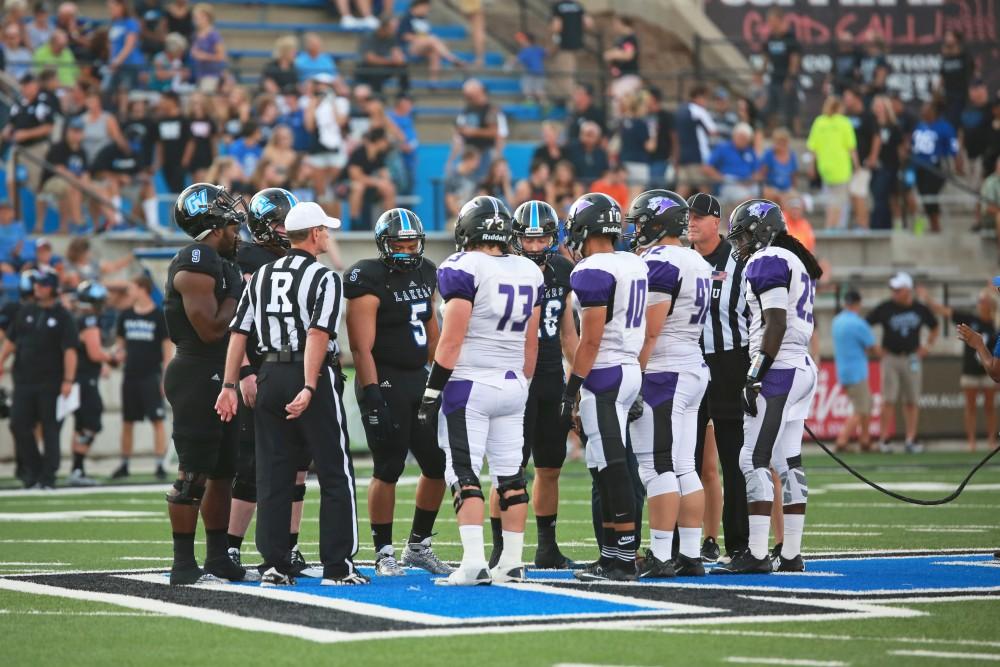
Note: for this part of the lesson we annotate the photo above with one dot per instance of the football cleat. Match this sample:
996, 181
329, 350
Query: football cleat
654, 568
421, 555
273, 578
745, 563
225, 568
77, 478
688, 567
300, 567
996, 554
548, 557
508, 575
121, 472
775, 551
478, 576
885, 447
600, 572
385, 563
710, 550
189, 576
782, 564
352, 578
913, 448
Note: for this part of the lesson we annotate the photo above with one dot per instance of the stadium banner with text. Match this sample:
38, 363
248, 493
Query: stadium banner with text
941, 401
911, 29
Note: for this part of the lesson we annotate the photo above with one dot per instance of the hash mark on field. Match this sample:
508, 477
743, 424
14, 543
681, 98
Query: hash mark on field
822, 637
792, 662
988, 657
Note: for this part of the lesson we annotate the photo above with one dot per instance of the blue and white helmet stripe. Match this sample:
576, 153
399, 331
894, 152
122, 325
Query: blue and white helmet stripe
404, 218
533, 221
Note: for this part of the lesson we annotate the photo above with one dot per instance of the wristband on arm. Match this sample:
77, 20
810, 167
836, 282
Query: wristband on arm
573, 385
437, 380
759, 367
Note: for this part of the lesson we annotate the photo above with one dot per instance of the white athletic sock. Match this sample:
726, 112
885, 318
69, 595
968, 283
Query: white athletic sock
473, 551
792, 546
663, 543
116, 203
513, 550
151, 211
691, 542
760, 526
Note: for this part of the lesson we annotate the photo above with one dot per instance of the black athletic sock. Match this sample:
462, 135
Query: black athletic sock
381, 535
608, 542
546, 529
78, 461
184, 551
423, 525
235, 541
624, 548
496, 526
293, 540
216, 544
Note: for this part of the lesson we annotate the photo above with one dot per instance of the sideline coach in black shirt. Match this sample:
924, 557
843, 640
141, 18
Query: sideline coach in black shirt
43, 338
293, 306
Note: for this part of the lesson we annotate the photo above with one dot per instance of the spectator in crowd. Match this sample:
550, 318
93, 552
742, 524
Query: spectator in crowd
152, 26
247, 150
567, 26
125, 57
40, 28
100, 127
208, 53
46, 259
497, 182
868, 145
957, 70
990, 204
401, 116
834, 147
779, 165
584, 110
170, 72
415, 33
589, 158
16, 56
783, 60
622, 59
15, 12
665, 146
69, 167
974, 132
13, 237
531, 59
180, 18
29, 129
933, 147
81, 264
724, 115
68, 20
873, 66
614, 183
281, 71
55, 54
734, 165
171, 133
694, 129
359, 119
365, 18
799, 227
460, 185
312, 60
845, 72
634, 140
325, 115
292, 115
564, 183
382, 58
550, 151
475, 19
974, 381
853, 344
478, 123
902, 319
536, 186
369, 179
200, 150
885, 175
283, 160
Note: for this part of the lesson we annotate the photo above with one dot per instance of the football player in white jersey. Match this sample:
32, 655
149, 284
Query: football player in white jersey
673, 382
478, 384
780, 281
610, 288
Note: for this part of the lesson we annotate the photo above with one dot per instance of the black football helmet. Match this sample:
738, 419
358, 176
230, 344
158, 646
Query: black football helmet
655, 214
400, 224
483, 219
91, 293
754, 225
202, 208
268, 209
535, 219
593, 213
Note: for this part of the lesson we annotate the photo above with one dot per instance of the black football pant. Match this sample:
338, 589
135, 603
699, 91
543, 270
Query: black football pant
35, 404
280, 444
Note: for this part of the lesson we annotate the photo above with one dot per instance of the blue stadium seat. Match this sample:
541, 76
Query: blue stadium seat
443, 31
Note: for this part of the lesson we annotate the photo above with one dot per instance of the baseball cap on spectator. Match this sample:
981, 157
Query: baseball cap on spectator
901, 280
702, 203
852, 297
42, 242
309, 214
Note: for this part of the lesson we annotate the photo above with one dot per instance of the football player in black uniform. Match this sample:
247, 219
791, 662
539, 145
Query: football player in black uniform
266, 223
91, 356
203, 286
393, 332
536, 230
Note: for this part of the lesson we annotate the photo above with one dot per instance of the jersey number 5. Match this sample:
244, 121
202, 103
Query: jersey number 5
419, 330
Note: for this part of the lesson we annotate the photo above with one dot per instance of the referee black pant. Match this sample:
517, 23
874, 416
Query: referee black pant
322, 431
723, 404
35, 404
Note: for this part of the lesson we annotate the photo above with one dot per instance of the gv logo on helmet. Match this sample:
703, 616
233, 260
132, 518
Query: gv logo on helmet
261, 206
196, 202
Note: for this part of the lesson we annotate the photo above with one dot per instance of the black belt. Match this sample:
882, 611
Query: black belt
289, 357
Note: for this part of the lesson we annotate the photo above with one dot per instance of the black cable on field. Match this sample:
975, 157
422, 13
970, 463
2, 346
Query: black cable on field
898, 496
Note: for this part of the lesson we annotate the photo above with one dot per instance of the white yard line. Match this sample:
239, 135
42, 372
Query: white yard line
820, 637
45, 612
77, 515
982, 657
790, 662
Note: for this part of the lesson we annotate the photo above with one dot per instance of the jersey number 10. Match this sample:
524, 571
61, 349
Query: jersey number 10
636, 309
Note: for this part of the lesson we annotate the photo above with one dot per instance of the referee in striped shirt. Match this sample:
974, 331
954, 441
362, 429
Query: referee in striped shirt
293, 305
725, 342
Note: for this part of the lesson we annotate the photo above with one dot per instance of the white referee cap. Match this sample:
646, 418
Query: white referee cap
308, 214
901, 280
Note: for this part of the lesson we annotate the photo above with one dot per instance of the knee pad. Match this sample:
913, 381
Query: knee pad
389, 471
794, 488
619, 492
299, 493
460, 495
760, 487
662, 484
689, 483
85, 438
512, 483
189, 490
244, 490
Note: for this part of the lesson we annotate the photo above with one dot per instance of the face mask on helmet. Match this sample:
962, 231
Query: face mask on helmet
400, 226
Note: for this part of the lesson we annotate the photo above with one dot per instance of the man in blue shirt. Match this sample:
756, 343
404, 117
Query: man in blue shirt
312, 61
933, 144
734, 165
402, 116
853, 343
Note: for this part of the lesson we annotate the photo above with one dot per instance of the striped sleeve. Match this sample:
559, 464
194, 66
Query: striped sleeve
326, 315
246, 309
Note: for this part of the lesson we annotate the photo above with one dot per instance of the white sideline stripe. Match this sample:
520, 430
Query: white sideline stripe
942, 527
76, 515
838, 533
821, 637
43, 612
8, 563
988, 657
925, 529
741, 660
585, 664
911, 486
898, 505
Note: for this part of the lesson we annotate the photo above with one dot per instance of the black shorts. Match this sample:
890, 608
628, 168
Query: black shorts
142, 399
204, 443
88, 416
544, 432
930, 183
402, 389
